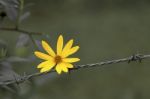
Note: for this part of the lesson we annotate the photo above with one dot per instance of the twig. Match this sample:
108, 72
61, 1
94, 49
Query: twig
33, 41
20, 31
137, 57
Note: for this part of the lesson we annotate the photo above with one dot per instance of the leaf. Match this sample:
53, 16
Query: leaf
24, 16
3, 52
3, 44
2, 2
23, 40
11, 8
7, 73
11, 13
3, 49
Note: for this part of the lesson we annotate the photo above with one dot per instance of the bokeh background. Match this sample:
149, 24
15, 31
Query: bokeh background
105, 30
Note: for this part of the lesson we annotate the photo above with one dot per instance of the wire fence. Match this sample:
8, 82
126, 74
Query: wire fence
136, 57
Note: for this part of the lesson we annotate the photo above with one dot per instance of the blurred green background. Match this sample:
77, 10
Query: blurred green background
105, 30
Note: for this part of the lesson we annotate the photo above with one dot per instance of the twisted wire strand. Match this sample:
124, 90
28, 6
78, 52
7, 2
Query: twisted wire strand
136, 57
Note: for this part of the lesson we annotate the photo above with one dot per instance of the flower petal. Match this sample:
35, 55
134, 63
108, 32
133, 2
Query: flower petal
48, 48
67, 47
45, 69
68, 65
61, 67
65, 69
58, 68
71, 60
42, 55
46, 64
59, 45
71, 51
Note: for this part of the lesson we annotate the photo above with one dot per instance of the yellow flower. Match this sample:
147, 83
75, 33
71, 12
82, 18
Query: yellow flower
59, 59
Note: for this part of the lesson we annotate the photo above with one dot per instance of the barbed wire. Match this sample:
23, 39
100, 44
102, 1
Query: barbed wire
136, 57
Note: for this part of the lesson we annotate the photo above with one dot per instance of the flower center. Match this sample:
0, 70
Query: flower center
58, 59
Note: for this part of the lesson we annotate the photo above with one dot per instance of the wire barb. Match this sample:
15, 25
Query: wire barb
136, 57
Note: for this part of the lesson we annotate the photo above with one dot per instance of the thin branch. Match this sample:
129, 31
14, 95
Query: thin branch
137, 57
20, 31
33, 41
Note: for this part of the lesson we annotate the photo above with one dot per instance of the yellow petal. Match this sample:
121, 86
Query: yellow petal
45, 69
42, 55
67, 47
68, 65
59, 45
46, 64
71, 60
71, 51
48, 48
61, 67
58, 68
65, 69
